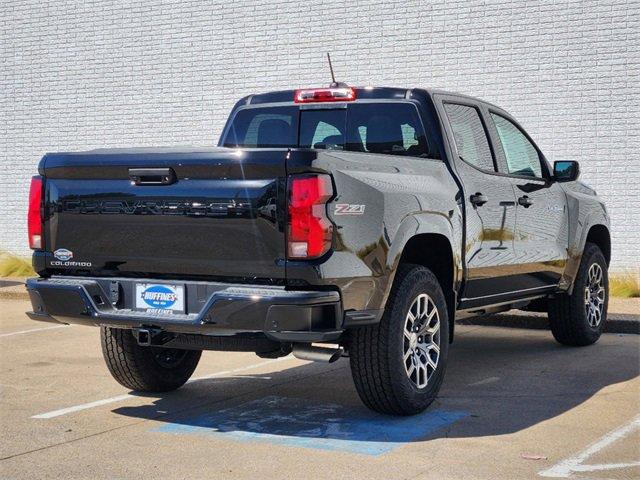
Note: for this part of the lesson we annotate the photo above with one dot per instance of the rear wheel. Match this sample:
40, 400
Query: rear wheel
146, 369
578, 319
398, 365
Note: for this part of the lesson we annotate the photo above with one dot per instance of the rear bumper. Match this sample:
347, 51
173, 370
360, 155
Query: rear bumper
215, 309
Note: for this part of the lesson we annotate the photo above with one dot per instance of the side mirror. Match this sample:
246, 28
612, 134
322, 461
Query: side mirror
566, 171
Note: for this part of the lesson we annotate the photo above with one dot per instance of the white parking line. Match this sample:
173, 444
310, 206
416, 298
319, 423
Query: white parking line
575, 464
32, 330
485, 381
84, 406
119, 398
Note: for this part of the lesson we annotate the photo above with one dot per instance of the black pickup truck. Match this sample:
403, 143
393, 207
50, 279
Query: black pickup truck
328, 222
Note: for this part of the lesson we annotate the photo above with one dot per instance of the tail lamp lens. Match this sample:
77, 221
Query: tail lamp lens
310, 231
34, 217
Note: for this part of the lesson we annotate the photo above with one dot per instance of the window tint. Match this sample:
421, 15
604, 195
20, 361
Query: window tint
322, 128
522, 157
469, 135
389, 128
392, 128
263, 128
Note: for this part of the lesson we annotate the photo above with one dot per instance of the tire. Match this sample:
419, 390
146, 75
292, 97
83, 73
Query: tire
146, 369
377, 352
570, 318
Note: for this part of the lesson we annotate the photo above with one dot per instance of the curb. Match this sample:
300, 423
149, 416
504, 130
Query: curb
10, 294
13, 289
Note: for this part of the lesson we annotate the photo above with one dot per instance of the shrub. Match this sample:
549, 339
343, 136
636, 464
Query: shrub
624, 285
14, 266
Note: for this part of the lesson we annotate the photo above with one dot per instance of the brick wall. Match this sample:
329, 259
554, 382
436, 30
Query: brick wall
79, 75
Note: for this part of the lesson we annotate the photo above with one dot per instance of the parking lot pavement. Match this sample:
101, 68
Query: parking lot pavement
514, 405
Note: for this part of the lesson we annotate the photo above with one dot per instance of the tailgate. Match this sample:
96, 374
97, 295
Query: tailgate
219, 213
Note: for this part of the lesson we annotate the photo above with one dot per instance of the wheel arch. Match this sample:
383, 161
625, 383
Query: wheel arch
434, 251
599, 235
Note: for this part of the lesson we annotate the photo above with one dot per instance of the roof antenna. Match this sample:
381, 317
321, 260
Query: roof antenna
334, 84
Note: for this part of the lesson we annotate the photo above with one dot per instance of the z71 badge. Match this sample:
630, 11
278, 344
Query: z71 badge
348, 209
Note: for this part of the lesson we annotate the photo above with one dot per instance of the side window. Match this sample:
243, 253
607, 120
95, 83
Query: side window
522, 157
469, 135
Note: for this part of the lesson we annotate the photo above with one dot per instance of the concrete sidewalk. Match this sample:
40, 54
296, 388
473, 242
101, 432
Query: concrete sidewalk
624, 313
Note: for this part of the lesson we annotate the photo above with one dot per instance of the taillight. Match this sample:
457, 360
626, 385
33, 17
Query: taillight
310, 231
34, 217
311, 95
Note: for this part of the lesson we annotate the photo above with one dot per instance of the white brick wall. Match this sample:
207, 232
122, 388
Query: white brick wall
78, 75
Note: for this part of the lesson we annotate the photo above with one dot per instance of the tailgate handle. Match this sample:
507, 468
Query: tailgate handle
152, 176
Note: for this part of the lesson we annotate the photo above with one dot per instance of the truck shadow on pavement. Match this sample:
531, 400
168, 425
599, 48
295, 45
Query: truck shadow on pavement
498, 382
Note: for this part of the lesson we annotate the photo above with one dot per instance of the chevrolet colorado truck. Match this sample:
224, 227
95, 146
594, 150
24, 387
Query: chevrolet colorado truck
328, 222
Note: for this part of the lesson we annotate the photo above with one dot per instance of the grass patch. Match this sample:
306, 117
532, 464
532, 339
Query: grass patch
624, 285
14, 266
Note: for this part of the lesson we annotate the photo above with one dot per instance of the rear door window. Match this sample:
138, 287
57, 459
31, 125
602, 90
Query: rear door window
470, 136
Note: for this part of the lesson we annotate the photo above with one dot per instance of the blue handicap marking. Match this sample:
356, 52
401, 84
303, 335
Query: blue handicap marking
302, 423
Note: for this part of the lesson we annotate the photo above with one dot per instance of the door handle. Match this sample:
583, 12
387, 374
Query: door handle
152, 176
525, 201
478, 199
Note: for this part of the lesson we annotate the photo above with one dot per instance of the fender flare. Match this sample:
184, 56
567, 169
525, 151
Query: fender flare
576, 249
434, 223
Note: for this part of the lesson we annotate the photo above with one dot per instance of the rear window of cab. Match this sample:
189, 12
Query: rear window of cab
383, 128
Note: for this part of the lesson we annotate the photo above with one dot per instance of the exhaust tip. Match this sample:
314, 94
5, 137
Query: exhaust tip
306, 351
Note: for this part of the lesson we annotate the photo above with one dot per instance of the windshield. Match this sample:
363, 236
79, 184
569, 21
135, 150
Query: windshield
389, 128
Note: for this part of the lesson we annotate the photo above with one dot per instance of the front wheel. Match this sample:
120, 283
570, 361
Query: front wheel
578, 319
146, 369
398, 365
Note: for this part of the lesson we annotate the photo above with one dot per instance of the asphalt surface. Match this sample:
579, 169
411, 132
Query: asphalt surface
514, 404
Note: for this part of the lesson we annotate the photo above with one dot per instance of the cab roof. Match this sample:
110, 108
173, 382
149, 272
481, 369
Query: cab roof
388, 93
363, 92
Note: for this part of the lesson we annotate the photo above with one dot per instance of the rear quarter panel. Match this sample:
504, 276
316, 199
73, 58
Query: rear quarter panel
394, 198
